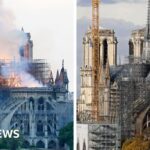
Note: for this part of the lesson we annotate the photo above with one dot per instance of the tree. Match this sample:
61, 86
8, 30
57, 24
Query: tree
136, 143
10, 143
66, 135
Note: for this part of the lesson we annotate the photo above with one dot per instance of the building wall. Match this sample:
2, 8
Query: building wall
104, 35
108, 45
82, 136
98, 136
37, 114
136, 43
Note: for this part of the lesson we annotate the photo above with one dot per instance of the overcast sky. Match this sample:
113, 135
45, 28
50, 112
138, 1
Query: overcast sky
121, 15
50, 23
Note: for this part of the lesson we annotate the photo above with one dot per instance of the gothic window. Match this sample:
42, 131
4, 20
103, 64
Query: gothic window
131, 48
31, 103
26, 144
55, 126
21, 128
84, 145
78, 145
40, 128
26, 129
105, 52
48, 106
40, 144
52, 145
49, 130
50, 122
41, 103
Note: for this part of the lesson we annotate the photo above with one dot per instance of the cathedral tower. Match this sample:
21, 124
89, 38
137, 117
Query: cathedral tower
146, 48
99, 53
139, 43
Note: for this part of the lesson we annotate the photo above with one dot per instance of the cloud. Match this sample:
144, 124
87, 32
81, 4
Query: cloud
122, 31
88, 2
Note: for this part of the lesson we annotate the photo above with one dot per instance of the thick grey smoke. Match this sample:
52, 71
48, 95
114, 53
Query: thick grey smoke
10, 37
19, 69
10, 41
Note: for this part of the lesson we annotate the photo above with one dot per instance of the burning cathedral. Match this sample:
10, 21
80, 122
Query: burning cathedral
32, 101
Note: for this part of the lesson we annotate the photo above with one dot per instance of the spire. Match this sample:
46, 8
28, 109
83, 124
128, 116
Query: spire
51, 78
22, 29
62, 69
147, 33
63, 63
146, 47
57, 77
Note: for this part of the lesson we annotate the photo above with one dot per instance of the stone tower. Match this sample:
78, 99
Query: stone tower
146, 46
108, 57
139, 43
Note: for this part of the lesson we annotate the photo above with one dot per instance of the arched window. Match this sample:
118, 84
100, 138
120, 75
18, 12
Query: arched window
26, 129
105, 52
40, 144
40, 128
78, 145
131, 48
26, 144
84, 145
41, 103
49, 130
48, 106
31, 103
52, 145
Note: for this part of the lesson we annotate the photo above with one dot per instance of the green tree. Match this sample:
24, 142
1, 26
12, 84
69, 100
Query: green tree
66, 135
10, 143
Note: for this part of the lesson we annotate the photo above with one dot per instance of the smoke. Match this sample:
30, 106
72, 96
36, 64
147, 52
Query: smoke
18, 70
10, 38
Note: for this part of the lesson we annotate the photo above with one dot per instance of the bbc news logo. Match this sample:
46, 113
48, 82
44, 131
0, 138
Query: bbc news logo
9, 134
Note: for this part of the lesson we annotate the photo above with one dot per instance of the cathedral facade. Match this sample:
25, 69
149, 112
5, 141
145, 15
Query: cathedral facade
124, 106
33, 101
108, 57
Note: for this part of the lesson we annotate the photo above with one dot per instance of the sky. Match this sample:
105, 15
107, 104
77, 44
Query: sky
121, 15
51, 25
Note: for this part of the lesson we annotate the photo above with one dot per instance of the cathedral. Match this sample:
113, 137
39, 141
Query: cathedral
108, 53
33, 101
123, 104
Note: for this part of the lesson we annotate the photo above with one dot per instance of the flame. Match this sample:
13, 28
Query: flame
14, 80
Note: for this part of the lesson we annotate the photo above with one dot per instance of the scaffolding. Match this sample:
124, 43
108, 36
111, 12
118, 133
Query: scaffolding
40, 70
95, 60
10, 71
104, 137
133, 93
